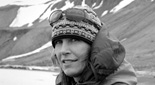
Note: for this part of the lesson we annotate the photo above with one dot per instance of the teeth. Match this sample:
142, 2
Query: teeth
68, 61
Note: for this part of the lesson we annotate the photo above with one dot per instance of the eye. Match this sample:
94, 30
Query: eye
58, 42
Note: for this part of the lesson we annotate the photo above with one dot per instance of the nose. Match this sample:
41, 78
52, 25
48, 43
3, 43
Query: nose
65, 48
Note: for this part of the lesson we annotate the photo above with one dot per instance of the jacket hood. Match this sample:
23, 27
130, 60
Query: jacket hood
106, 54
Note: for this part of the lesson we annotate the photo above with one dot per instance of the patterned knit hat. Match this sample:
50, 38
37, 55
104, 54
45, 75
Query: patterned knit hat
77, 22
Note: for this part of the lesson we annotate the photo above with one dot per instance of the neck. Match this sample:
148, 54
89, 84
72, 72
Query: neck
76, 79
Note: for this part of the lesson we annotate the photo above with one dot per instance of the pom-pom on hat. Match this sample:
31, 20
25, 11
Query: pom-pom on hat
79, 22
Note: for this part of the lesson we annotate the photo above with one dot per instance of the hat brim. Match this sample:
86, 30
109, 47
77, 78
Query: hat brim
62, 36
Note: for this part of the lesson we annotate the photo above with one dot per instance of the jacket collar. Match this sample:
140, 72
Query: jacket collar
87, 77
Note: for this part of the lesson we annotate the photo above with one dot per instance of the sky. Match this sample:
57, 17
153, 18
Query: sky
35, 8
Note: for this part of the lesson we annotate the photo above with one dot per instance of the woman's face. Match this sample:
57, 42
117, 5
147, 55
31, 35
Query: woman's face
72, 55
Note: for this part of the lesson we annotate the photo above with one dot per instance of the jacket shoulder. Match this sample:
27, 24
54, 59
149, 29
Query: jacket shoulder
58, 79
125, 74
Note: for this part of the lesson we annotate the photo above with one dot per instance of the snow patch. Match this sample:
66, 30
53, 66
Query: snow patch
104, 13
15, 38
22, 2
48, 44
26, 15
83, 3
67, 5
97, 7
121, 5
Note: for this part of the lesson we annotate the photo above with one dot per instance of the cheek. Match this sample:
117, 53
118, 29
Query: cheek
82, 51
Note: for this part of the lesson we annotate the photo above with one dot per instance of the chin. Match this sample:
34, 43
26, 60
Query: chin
72, 73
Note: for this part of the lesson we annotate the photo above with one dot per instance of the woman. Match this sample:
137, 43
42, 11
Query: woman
84, 51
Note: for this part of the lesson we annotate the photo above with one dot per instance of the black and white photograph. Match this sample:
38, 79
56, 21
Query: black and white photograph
77, 42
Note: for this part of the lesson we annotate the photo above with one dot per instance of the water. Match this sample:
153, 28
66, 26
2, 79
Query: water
26, 77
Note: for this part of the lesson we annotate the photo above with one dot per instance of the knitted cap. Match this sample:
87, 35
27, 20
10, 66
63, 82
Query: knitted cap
82, 30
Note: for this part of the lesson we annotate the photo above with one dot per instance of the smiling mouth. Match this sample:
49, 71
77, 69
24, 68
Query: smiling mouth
68, 61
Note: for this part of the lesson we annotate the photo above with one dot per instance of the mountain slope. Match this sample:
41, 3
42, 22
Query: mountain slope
20, 40
133, 26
